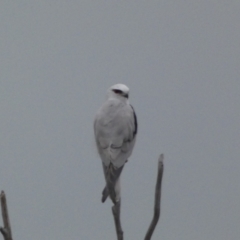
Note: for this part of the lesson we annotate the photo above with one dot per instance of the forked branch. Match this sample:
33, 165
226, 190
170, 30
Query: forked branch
116, 208
6, 229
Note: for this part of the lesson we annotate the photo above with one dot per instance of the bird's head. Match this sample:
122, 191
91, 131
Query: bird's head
119, 91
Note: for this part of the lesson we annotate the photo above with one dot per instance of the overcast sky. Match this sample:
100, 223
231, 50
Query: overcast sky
181, 61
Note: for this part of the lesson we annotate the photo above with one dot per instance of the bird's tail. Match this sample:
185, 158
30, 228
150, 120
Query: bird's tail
104, 194
112, 187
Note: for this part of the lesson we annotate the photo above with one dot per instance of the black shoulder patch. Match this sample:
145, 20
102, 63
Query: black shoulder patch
135, 122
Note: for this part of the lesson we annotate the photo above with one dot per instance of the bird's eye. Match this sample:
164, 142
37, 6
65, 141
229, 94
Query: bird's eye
117, 91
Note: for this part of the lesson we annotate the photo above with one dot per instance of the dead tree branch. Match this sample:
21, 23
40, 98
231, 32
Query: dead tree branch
6, 229
116, 208
116, 214
156, 214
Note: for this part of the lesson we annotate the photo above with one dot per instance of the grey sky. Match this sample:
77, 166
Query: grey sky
181, 60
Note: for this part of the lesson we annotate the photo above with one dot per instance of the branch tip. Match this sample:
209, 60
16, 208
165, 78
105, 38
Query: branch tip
157, 201
160, 159
6, 229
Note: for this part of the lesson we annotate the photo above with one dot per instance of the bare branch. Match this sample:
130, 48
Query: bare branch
116, 214
6, 229
156, 214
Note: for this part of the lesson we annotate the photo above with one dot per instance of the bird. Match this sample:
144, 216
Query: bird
115, 130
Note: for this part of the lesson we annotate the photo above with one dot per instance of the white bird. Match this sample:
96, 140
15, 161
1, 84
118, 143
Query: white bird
115, 129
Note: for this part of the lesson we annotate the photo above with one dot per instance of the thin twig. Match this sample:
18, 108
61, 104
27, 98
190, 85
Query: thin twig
6, 229
116, 214
156, 214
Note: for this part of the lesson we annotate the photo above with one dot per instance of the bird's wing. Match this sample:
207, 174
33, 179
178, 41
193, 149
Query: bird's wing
115, 130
